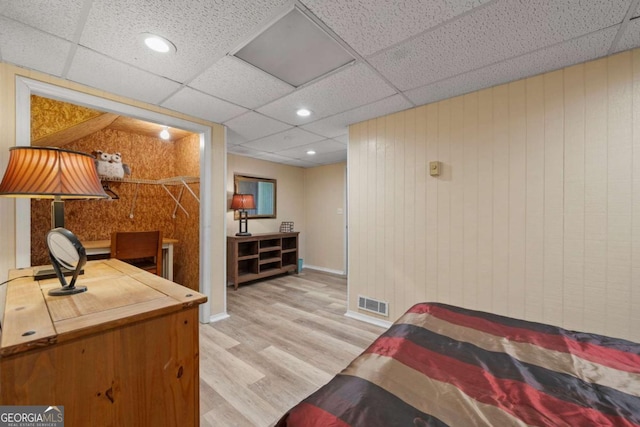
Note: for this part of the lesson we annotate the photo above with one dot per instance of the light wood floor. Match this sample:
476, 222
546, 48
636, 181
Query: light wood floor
286, 337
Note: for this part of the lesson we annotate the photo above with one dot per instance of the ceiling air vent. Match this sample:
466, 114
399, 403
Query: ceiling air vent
373, 305
295, 50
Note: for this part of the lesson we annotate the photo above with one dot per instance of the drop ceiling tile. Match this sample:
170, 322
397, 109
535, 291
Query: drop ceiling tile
98, 71
240, 83
254, 125
59, 18
348, 88
33, 49
234, 138
244, 151
371, 25
320, 147
342, 138
338, 124
201, 30
630, 38
198, 104
329, 158
283, 140
300, 163
501, 30
575, 51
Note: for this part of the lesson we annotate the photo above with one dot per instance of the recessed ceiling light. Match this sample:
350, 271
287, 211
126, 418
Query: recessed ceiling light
311, 152
165, 133
157, 43
303, 112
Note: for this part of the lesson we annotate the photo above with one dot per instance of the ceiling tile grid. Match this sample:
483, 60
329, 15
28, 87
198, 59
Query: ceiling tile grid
201, 30
31, 48
371, 25
578, 50
283, 140
350, 87
252, 125
60, 18
502, 30
338, 124
96, 70
235, 81
198, 104
408, 52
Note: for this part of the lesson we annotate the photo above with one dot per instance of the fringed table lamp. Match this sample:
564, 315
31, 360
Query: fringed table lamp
242, 203
58, 174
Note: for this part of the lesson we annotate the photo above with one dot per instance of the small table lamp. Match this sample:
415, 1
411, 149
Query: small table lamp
51, 173
242, 202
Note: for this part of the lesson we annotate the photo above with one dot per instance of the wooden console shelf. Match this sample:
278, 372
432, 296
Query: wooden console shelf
261, 255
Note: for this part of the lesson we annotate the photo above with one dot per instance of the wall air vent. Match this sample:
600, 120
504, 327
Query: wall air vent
373, 305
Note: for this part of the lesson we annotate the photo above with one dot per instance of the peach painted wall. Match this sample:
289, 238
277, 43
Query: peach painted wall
536, 214
324, 197
290, 195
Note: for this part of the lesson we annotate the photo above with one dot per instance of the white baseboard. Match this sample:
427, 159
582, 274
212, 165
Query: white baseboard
218, 317
326, 270
368, 319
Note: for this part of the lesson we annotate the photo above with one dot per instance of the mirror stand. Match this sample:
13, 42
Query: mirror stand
66, 252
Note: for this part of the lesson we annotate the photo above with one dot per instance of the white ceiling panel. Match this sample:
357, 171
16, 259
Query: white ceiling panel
283, 140
31, 48
578, 50
201, 105
350, 87
240, 83
59, 18
320, 147
332, 157
201, 30
343, 138
501, 30
95, 70
252, 125
631, 36
299, 163
337, 125
371, 25
408, 52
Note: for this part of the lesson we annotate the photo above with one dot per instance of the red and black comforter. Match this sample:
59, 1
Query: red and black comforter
440, 365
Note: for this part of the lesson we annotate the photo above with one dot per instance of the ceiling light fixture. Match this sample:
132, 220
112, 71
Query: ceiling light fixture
303, 112
311, 152
165, 133
157, 43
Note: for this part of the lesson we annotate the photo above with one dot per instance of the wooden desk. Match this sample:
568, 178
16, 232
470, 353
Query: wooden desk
125, 352
103, 247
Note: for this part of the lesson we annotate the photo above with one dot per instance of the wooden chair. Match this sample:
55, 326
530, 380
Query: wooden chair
140, 248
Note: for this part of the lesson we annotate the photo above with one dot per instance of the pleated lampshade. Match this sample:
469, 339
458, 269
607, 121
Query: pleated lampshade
243, 201
49, 172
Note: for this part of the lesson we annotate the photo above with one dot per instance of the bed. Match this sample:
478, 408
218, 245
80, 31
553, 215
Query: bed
440, 365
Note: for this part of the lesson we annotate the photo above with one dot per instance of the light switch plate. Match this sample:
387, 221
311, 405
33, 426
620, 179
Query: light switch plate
434, 168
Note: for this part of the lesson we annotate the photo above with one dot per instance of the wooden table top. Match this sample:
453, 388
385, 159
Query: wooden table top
106, 243
117, 294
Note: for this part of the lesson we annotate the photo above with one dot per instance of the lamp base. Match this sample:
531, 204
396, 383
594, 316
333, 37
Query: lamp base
67, 291
244, 233
47, 272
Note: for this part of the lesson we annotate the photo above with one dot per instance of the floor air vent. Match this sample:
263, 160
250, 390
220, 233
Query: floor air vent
373, 305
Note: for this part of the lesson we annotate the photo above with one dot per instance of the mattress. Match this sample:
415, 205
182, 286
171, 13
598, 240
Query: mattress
440, 365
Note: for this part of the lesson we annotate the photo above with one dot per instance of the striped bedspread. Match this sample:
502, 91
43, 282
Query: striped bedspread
440, 365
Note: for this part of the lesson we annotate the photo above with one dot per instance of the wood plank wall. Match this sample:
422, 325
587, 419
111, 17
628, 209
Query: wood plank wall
536, 213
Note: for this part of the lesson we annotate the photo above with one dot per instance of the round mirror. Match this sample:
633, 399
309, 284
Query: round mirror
68, 256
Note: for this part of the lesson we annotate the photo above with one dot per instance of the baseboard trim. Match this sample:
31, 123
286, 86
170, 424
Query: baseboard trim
368, 319
325, 270
218, 317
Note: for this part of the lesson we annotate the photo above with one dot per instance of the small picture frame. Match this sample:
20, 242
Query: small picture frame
286, 226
